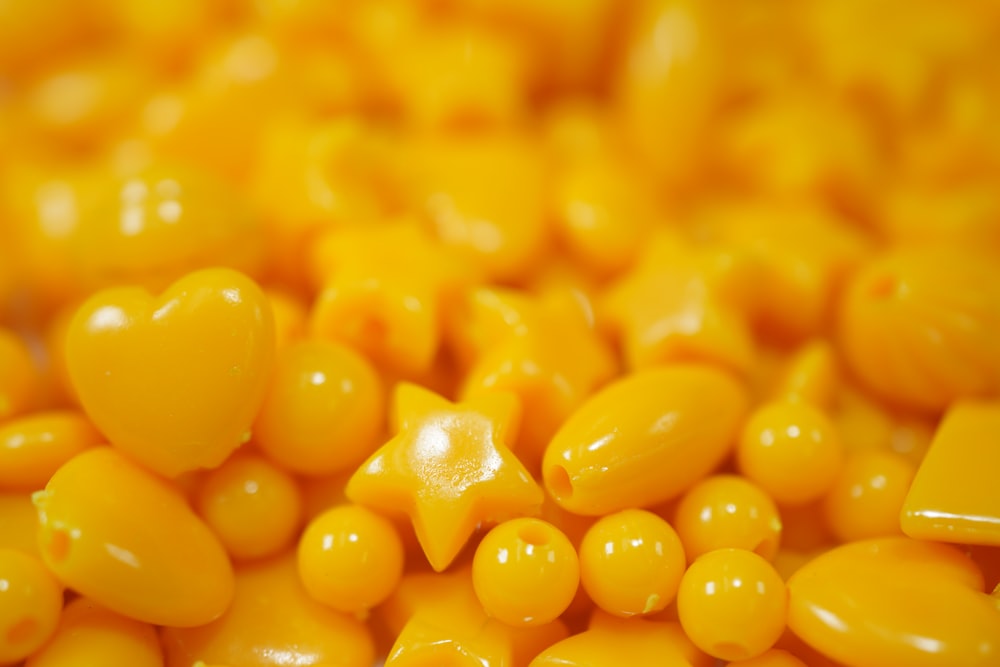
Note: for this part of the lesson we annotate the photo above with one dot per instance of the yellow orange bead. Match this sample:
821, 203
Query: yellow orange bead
631, 563
791, 450
867, 498
206, 345
775, 657
350, 558
732, 604
252, 506
271, 619
19, 382
87, 633
324, 410
920, 325
727, 511
525, 572
33, 447
20, 521
30, 603
125, 538
643, 439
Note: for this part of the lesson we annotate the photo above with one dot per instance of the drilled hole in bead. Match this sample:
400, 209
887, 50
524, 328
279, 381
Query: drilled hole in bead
22, 631
730, 651
534, 535
58, 546
559, 482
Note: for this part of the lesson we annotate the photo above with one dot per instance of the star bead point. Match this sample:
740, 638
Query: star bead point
448, 468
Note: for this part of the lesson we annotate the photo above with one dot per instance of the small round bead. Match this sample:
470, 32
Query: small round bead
791, 450
631, 563
525, 572
350, 558
727, 511
324, 410
732, 604
253, 506
868, 496
30, 602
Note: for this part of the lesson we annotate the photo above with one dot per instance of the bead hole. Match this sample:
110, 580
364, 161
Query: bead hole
534, 535
559, 482
22, 631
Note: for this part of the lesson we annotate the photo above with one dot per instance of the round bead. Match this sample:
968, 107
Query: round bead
525, 572
732, 604
728, 511
631, 563
791, 450
324, 410
350, 558
253, 506
868, 496
30, 602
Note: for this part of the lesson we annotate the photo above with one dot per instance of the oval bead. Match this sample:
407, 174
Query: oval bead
32, 448
644, 439
124, 537
849, 604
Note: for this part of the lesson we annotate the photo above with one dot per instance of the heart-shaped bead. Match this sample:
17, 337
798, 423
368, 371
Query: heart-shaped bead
174, 382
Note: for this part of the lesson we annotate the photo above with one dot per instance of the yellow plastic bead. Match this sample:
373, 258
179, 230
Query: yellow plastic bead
125, 538
174, 381
350, 558
952, 497
253, 507
846, 604
20, 523
448, 469
791, 450
30, 604
644, 439
19, 381
631, 563
811, 375
324, 411
32, 448
525, 572
637, 642
152, 228
727, 511
732, 604
920, 326
272, 621
88, 634
867, 498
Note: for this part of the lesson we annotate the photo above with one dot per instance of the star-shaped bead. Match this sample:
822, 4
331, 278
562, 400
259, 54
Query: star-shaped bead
448, 469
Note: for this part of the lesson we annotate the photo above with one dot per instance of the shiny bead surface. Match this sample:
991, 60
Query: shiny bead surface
791, 450
350, 558
644, 439
525, 572
30, 603
19, 383
33, 447
448, 468
846, 603
727, 511
206, 345
88, 634
252, 506
96, 535
324, 409
631, 563
272, 621
867, 498
732, 604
